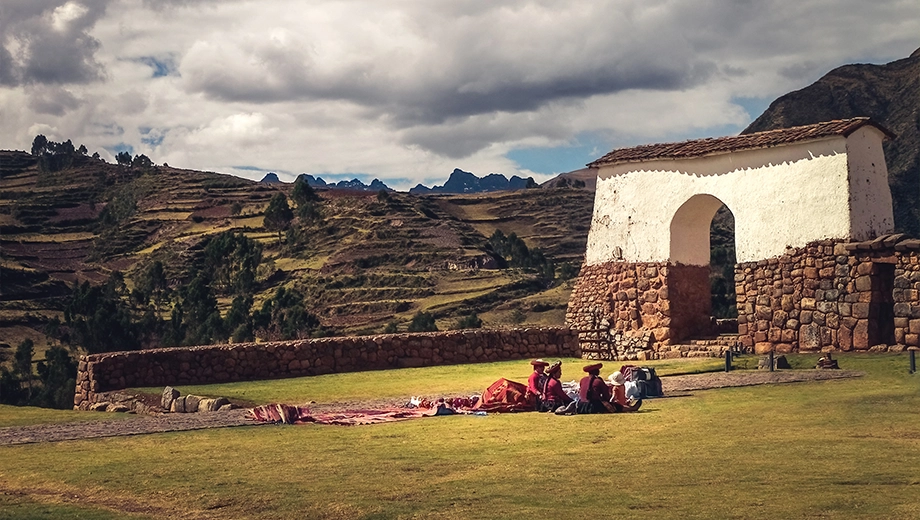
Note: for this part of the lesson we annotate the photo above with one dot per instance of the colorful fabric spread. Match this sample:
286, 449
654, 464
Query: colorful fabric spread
502, 396
505, 396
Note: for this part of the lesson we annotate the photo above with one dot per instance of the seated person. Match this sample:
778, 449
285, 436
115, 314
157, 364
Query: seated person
593, 393
554, 398
619, 401
536, 380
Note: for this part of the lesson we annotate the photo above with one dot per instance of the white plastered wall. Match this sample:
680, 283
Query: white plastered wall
869, 191
782, 196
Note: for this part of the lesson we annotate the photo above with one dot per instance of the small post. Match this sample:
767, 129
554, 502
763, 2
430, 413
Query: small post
913, 361
772, 362
728, 360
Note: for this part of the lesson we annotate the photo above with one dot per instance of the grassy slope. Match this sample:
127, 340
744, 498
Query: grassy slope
401, 247
833, 449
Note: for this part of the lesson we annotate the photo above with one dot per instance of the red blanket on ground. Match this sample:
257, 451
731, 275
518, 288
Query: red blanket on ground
505, 396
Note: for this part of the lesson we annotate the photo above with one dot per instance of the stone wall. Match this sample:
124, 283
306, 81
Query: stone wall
99, 373
832, 295
656, 303
827, 295
628, 297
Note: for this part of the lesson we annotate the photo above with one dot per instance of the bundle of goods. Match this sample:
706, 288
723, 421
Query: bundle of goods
641, 382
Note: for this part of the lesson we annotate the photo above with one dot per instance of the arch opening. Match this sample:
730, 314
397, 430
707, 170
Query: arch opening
702, 275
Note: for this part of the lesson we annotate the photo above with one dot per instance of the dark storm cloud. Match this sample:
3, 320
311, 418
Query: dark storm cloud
48, 41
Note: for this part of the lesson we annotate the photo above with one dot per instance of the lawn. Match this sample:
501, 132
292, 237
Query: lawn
831, 449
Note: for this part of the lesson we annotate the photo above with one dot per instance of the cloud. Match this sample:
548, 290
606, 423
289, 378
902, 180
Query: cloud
48, 41
52, 100
430, 65
411, 90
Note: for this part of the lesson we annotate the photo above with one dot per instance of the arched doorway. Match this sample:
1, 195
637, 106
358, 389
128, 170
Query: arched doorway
691, 280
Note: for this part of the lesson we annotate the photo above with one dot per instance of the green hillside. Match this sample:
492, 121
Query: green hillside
362, 262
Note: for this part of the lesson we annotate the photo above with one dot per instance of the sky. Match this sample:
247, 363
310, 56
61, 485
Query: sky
407, 90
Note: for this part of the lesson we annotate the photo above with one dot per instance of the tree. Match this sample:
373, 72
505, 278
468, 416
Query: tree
238, 319
278, 215
39, 145
99, 320
303, 192
285, 317
306, 199
142, 161
200, 316
22, 363
422, 322
123, 158
153, 284
233, 260
470, 321
58, 373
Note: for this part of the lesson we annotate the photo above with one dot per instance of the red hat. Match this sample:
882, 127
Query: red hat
539, 363
593, 368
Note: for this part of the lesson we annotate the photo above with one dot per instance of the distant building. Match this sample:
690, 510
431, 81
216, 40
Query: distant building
817, 266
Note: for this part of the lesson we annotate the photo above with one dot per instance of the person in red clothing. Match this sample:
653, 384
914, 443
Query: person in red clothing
554, 398
593, 392
536, 380
619, 401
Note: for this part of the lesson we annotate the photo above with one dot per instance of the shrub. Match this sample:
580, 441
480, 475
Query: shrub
422, 322
469, 322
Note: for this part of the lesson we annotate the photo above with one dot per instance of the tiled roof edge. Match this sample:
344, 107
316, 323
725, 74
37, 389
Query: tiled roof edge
718, 145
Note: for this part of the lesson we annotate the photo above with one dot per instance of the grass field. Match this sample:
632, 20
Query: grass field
832, 449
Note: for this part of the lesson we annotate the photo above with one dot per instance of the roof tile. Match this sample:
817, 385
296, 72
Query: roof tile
708, 146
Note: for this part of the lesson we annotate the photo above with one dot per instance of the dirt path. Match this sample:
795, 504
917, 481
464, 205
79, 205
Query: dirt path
138, 425
143, 424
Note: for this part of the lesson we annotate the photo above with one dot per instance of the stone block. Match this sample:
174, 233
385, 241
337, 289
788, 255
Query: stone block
178, 405
169, 395
861, 335
844, 339
863, 283
191, 403
783, 348
810, 337
763, 347
861, 311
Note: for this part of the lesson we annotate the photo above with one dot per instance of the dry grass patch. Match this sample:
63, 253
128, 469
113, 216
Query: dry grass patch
53, 238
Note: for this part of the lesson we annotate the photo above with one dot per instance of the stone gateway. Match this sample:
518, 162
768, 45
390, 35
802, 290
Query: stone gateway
818, 266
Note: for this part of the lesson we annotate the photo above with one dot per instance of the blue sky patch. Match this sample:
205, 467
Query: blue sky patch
120, 147
161, 66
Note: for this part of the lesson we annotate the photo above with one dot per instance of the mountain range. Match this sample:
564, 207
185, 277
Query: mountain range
466, 182
459, 182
